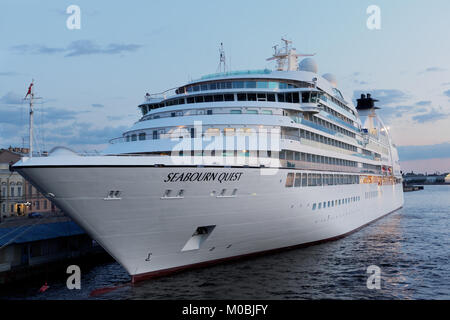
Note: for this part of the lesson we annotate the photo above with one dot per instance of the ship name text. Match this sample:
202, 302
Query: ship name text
203, 176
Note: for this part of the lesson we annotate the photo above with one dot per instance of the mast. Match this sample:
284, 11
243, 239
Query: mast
289, 56
30, 96
222, 60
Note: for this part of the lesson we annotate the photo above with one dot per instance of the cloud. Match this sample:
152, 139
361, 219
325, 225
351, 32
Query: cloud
97, 105
77, 48
434, 151
82, 133
35, 49
433, 69
432, 115
423, 103
7, 74
12, 98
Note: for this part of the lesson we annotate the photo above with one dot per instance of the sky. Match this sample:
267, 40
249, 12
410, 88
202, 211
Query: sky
92, 79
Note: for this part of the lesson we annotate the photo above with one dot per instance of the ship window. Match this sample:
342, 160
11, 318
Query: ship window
310, 180
213, 132
283, 85
241, 97
209, 111
314, 206
190, 100
229, 97
289, 155
289, 180
304, 180
283, 154
212, 86
236, 111
208, 98
252, 111
229, 131
180, 101
261, 84
199, 99
250, 84
305, 97
141, 136
273, 85
133, 137
251, 96
320, 205
238, 84
288, 97
298, 180
280, 97
218, 97
204, 87
262, 97
228, 85
270, 97
324, 204
266, 112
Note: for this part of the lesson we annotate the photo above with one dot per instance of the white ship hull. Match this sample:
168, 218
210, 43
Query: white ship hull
147, 233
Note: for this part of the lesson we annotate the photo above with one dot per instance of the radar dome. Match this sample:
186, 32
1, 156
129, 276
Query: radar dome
331, 78
308, 64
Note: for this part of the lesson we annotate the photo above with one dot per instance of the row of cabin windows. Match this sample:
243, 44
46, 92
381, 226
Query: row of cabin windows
371, 167
317, 179
305, 134
337, 114
328, 98
334, 203
301, 156
262, 84
210, 112
332, 126
289, 97
209, 132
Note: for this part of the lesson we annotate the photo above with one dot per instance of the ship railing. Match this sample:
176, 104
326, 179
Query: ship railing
161, 95
316, 144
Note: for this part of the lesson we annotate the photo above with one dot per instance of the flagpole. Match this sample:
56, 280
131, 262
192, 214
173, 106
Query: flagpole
31, 121
31, 94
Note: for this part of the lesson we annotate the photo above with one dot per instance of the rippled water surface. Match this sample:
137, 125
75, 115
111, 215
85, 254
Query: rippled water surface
411, 246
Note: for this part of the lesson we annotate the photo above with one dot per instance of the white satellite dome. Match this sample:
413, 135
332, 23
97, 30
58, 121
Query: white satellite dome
331, 78
308, 64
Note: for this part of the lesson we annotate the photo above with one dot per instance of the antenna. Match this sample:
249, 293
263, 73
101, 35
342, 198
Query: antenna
222, 60
30, 96
289, 55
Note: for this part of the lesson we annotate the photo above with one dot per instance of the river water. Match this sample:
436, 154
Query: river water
410, 246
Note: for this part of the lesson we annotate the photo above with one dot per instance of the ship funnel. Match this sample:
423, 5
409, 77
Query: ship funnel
366, 103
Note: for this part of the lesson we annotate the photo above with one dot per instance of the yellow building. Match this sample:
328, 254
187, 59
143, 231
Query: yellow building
11, 186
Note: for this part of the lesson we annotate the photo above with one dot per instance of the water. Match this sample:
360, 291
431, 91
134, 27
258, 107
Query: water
410, 246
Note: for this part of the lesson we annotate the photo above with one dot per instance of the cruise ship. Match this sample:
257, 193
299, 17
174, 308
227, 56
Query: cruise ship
233, 164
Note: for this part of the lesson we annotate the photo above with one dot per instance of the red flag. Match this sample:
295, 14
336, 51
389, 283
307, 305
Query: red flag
29, 90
